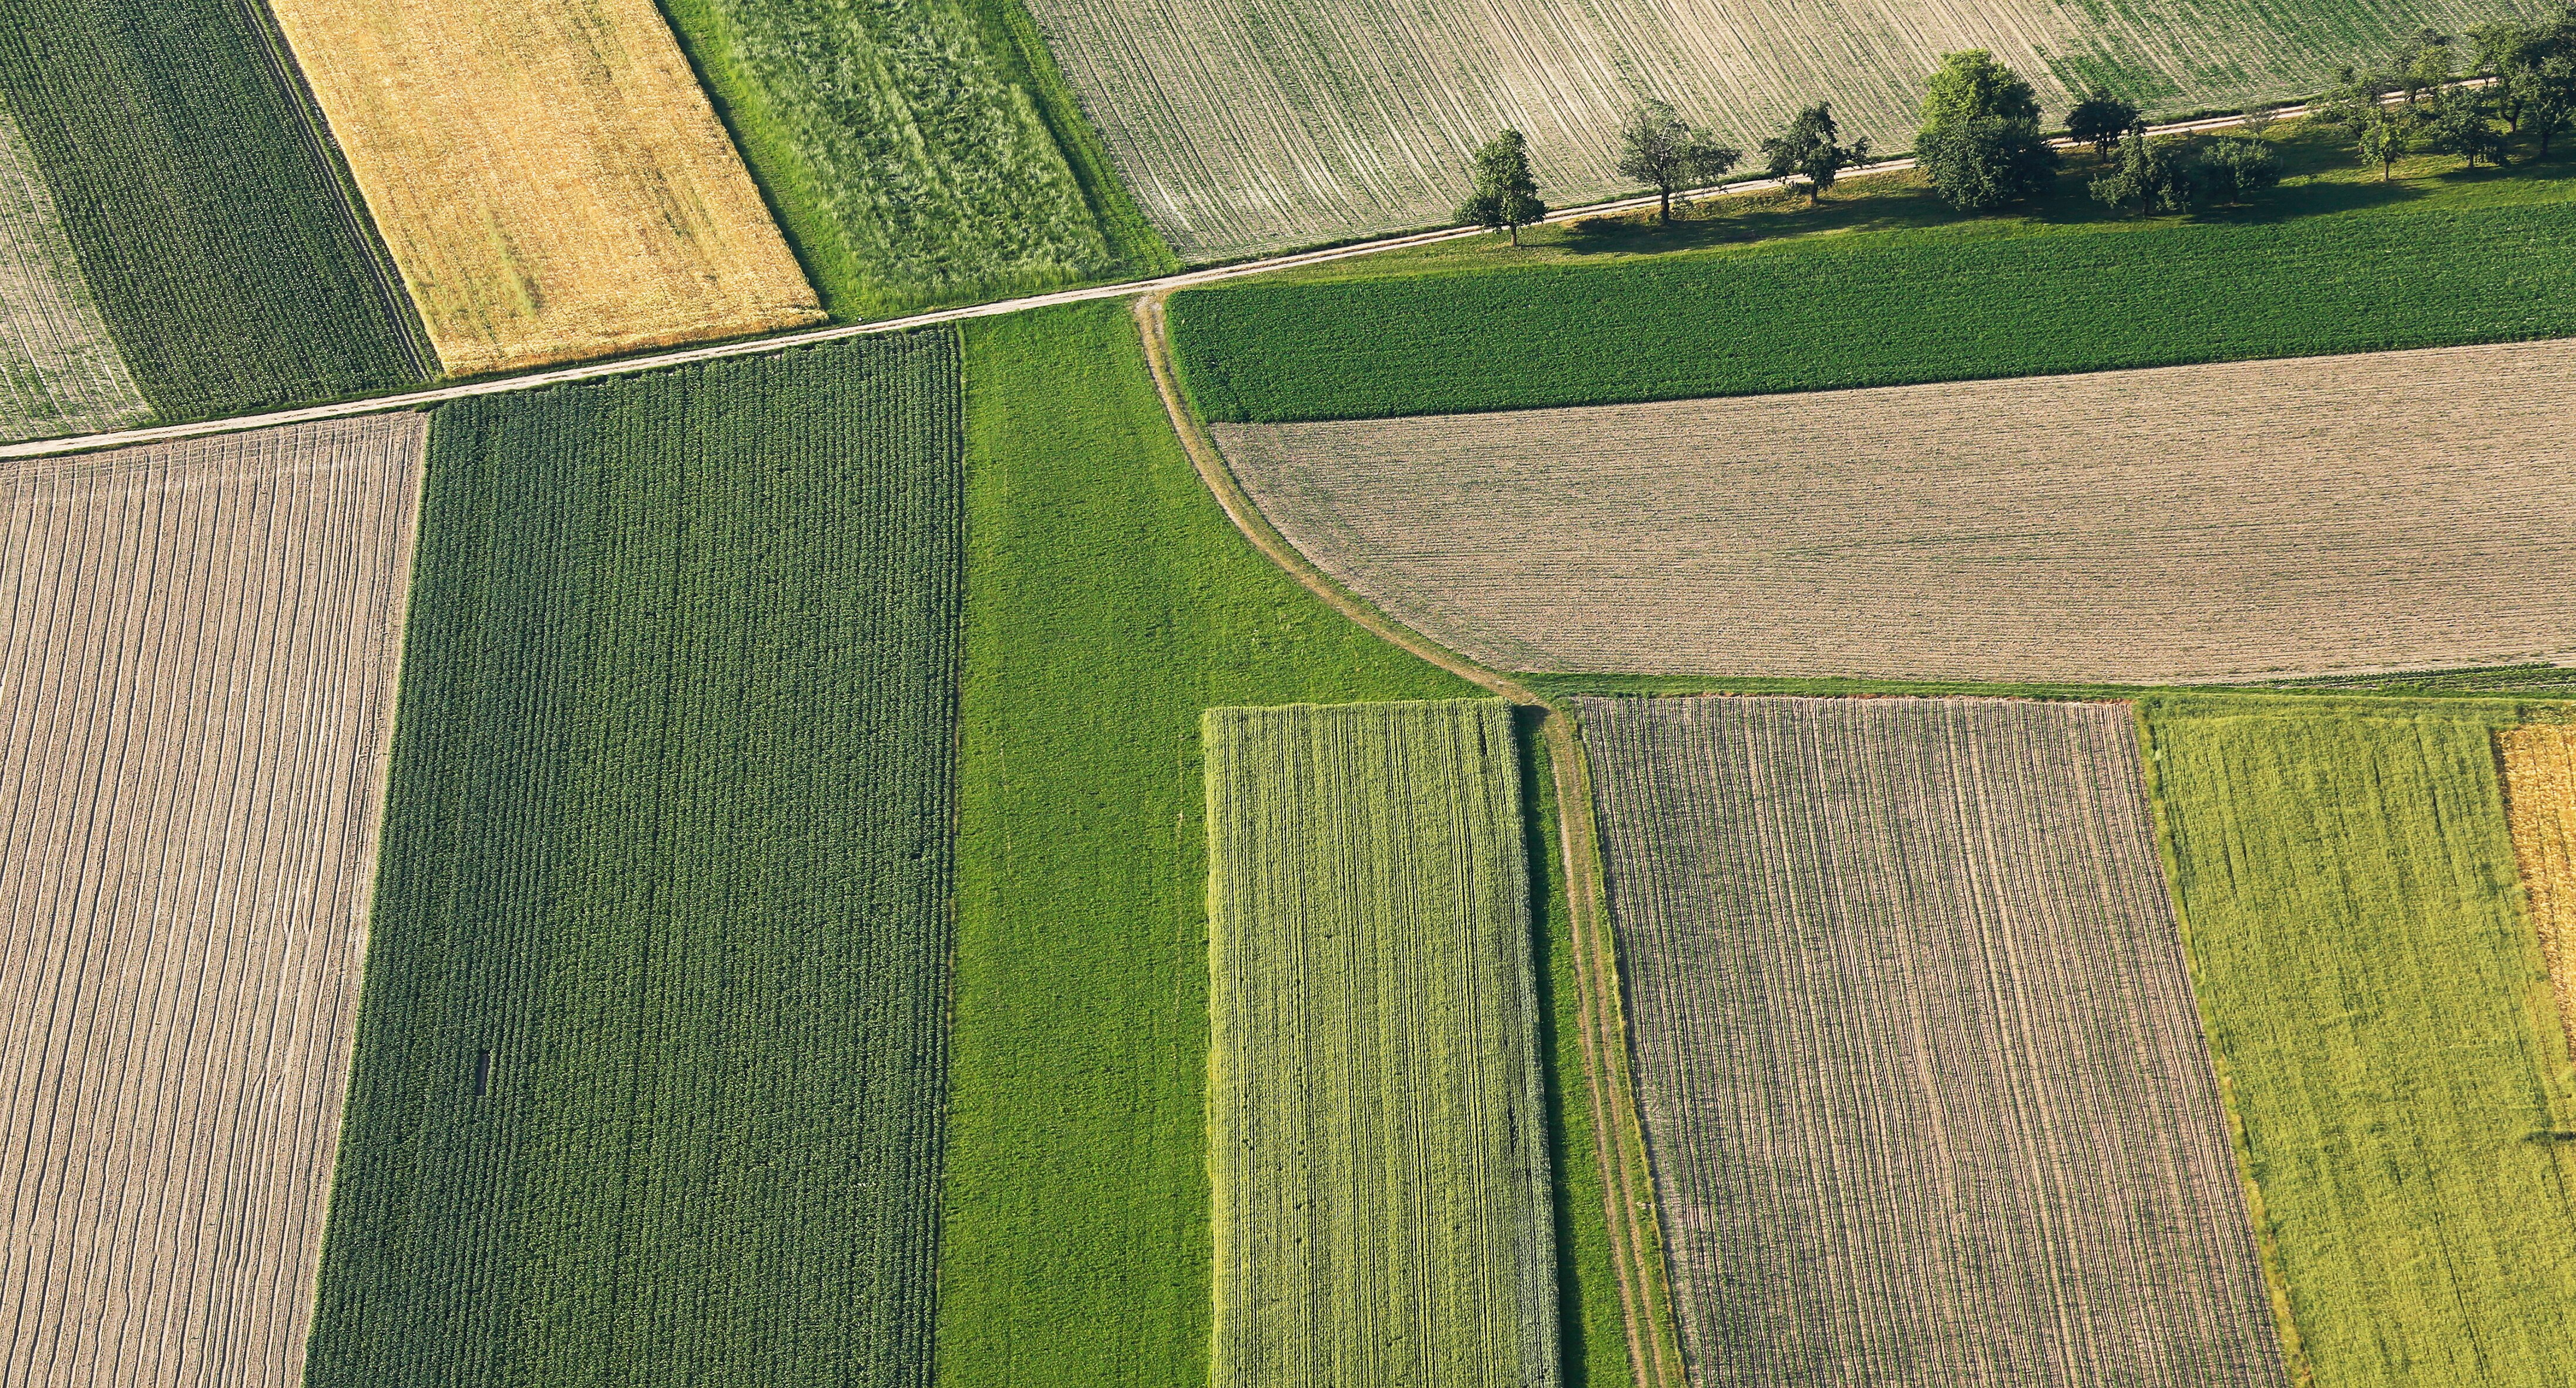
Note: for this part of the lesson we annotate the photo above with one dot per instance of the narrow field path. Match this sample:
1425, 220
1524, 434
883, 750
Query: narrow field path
781, 342
1645, 1301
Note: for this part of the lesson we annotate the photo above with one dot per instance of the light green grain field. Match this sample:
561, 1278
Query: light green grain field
1376, 1135
2376, 998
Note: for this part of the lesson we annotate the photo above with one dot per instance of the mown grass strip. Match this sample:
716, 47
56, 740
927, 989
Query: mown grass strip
1109, 603
1375, 1109
666, 878
208, 211
2375, 994
1956, 301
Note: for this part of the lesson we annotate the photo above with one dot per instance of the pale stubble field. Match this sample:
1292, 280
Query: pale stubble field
198, 646
1918, 1056
2390, 511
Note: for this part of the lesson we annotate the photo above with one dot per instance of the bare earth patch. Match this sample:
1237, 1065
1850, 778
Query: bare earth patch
2540, 802
2388, 511
1918, 1057
198, 645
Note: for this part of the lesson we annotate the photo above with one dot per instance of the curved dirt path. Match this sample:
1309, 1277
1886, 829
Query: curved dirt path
1636, 1248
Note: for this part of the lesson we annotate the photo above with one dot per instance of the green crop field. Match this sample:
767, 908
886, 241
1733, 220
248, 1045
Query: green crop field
1382, 1206
2337, 265
650, 1057
2376, 997
229, 257
917, 152
1109, 602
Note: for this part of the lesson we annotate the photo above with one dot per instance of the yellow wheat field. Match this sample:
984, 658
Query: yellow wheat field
550, 179
2540, 794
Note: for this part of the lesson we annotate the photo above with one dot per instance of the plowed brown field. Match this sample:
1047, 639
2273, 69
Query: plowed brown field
198, 645
1918, 1056
2396, 510
2540, 800
548, 176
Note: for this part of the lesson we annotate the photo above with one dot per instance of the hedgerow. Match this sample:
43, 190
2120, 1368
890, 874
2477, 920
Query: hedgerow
649, 1064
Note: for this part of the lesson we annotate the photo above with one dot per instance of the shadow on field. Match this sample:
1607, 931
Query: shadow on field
1547, 922
2322, 176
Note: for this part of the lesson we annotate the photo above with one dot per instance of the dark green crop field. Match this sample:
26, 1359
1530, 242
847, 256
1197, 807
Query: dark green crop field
649, 1063
233, 265
1881, 308
1109, 602
2378, 1005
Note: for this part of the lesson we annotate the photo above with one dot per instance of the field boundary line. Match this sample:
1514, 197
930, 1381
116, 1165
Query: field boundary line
815, 337
1654, 1352
2267, 1245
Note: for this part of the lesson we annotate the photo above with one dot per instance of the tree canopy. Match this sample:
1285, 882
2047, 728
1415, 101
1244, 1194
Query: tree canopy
1664, 152
1506, 193
1980, 145
2100, 120
1807, 148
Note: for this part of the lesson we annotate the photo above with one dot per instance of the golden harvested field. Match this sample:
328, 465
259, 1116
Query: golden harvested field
548, 176
2540, 801
198, 645
1250, 125
2399, 510
60, 371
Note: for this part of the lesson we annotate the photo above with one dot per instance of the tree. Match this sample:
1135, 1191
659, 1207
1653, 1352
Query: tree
2548, 97
1972, 85
2456, 122
1806, 148
2234, 167
2356, 98
2501, 52
2150, 175
1506, 196
1657, 148
2424, 63
2386, 137
1980, 145
2100, 120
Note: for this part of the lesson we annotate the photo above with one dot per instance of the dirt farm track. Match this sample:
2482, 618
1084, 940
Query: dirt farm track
198, 644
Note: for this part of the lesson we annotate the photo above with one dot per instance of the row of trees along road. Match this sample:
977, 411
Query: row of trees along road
1981, 145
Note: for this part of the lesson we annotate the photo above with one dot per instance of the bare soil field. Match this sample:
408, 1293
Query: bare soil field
1244, 126
2539, 765
549, 178
198, 645
2388, 511
1918, 1055
60, 371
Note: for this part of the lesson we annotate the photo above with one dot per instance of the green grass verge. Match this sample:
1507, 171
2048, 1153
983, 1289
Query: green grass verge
232, 263
915, 152
1383, 1204
2379, 1009
668, 841
1885, 286
1109, 602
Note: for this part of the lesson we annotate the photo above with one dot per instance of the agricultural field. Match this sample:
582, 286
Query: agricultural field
2338, 266
1916, 1048
198, 646
2540, 802
2120, 527
1249, 127
1382, 1210
233, 269
1109, 603
550, 179
917, 153
649, 1065
2377, 1000
60, 372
